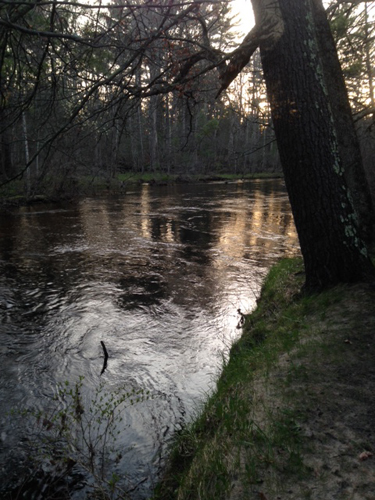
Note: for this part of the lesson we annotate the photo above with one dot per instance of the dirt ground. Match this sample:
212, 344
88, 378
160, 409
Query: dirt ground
334, 392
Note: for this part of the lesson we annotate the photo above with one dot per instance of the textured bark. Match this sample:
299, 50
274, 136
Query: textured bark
348, 143
325, 219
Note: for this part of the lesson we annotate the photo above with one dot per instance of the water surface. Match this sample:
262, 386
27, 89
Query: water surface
158, 274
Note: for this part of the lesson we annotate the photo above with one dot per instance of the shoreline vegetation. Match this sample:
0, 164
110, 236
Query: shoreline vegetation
13, 194
293, 410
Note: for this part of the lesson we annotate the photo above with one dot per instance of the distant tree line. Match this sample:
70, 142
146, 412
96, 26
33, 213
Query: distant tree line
93, 90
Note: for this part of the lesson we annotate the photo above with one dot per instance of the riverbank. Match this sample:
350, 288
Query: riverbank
155, 178
53, 190
293, 412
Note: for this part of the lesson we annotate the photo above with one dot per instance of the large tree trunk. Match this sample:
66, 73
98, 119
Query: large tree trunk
325, 219
348, 143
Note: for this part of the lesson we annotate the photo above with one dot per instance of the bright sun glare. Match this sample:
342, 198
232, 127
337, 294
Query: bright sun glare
245, 15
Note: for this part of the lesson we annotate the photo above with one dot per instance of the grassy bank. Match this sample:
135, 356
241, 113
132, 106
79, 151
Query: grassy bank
154, 177
292, 416
55, 189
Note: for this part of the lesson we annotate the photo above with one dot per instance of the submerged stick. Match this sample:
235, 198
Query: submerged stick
105, 357
242, 319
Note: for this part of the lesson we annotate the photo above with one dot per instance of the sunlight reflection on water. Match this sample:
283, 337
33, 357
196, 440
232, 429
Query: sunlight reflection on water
158, 274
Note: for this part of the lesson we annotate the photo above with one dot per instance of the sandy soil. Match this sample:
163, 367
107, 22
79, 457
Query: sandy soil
335, 395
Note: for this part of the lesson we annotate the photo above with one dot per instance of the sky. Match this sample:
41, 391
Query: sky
246, 17
245, 11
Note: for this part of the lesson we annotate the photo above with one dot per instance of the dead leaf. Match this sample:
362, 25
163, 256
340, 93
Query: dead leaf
365, 455
262, 496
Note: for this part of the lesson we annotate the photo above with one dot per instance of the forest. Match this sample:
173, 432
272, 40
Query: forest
98, 94
110, 90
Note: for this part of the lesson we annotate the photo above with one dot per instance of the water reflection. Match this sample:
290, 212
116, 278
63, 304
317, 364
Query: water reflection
158, 274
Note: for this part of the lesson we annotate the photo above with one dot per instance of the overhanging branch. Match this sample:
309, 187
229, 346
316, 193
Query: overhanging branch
267, 31
43, 34
239, 58
362, 114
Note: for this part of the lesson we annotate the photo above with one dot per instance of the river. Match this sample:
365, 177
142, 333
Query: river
158, 274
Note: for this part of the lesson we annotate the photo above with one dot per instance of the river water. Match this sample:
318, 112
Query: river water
158, 275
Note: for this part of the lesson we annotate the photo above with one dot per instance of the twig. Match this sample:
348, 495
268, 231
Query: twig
105, 357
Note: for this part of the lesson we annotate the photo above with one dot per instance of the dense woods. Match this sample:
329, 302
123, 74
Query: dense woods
88, 90
94, 89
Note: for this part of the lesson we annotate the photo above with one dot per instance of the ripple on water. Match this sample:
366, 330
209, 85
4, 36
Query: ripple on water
158, 276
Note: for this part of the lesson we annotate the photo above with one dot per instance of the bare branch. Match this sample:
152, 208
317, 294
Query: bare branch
268, 30
363, 113
87, 6
238, 59
44, 34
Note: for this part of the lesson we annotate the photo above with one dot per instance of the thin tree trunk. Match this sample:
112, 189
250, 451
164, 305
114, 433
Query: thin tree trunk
27, 154
153, 133
369, 68
133, 141
141, 146
5, 156
230, 155
168, 133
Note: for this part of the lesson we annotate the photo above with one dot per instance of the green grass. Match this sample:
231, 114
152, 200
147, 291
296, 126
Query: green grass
260, 175
53, 188
249, 430
145, 177
13, 190
162, 177
228, 439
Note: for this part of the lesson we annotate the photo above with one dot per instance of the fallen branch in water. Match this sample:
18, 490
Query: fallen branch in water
241, 321
105, 357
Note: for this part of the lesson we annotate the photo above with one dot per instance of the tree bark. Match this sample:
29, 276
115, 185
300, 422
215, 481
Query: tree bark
348, 143
326, 221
